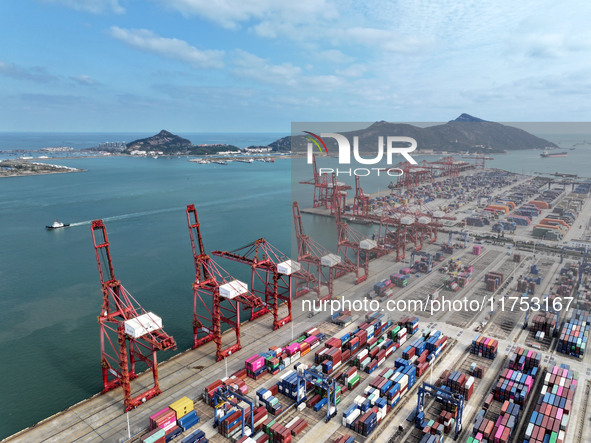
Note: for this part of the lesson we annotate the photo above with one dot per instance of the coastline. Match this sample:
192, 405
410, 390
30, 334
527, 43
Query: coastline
23, 168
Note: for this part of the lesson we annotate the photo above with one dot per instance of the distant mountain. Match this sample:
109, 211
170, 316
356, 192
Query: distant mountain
467, 118
465, 133
169, 143
164, 141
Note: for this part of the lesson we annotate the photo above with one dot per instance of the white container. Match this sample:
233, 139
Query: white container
330, 260
142, 324
302, 406
368, 244
288, 267
292, 422
351, 418
233, 289
287, 374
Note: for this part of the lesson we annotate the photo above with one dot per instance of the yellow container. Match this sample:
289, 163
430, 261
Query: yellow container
182, 407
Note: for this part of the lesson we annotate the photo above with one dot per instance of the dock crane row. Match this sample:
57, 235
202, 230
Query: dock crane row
129, 334
216, 296
272, 270
352, 247
319, 266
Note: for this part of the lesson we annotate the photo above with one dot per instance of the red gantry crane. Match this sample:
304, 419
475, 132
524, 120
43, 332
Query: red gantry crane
351, 243
216, 296
361, 199
128, 333
319, 266
321, 186
324, 189
271, 269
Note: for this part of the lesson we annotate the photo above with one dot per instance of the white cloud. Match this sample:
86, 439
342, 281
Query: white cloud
171, 48
93, 6
355, 70
229, 13
254, 67
381, 39
84, 80
285, 74
334, 56
34, 74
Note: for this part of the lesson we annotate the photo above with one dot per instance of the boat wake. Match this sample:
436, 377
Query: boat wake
177, 209
127, 216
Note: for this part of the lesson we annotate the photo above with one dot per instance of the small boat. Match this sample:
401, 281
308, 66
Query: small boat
57, 224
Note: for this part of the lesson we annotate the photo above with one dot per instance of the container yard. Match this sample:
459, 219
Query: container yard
470, 329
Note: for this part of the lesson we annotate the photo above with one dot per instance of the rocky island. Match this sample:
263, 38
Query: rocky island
19, 167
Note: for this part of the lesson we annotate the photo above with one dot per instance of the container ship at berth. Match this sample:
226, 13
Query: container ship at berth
553, 154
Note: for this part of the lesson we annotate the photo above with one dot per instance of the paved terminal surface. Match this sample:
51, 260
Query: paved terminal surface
101, 418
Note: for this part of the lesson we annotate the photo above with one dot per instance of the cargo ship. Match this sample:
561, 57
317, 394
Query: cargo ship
553, 154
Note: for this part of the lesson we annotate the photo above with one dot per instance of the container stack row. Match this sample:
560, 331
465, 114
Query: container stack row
484, 347
544, 322
575, 334
170, 422
550, 419
369, 409
493, 280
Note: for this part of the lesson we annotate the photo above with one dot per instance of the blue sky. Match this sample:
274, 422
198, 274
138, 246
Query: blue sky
258, 65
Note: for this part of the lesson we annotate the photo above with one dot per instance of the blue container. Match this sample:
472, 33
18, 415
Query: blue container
318, 406
173, 434
196, 437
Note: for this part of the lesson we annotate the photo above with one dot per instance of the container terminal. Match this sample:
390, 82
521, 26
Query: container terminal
465, 317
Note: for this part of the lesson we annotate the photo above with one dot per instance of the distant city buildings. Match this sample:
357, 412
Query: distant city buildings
113, 146
258, 150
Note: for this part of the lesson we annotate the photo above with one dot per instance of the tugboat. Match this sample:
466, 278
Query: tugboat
57, 224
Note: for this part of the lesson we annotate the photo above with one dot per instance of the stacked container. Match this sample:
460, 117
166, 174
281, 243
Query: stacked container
484, 347
493, 280
269, 401
196, 437
255, 366
575, 334
544, 322
410, 323
154, 436
525, 360
550, 418
513, 385
164, 419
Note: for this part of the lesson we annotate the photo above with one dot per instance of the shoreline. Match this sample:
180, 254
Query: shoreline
22, 168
